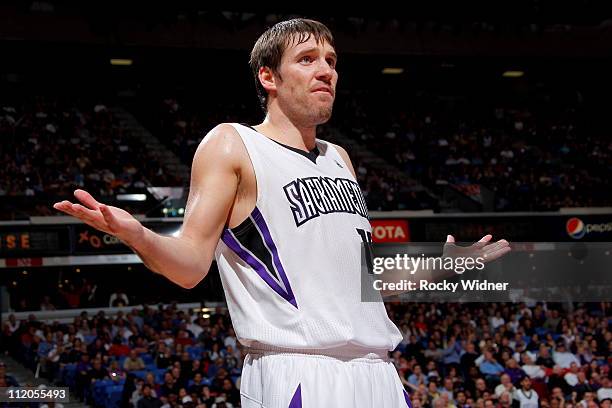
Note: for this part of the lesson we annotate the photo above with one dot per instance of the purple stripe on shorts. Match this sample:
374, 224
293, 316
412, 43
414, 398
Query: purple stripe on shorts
229, 240
408, 403
296, 401
261, 223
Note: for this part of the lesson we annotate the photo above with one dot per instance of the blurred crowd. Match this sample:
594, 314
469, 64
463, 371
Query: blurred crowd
452, 355
538, 154
52, 146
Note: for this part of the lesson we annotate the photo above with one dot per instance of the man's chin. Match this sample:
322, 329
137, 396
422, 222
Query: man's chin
324, 115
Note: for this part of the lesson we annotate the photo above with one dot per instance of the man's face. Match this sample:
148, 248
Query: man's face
526, 383
305, 83
461, 398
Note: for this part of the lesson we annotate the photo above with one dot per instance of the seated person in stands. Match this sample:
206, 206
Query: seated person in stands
133, 362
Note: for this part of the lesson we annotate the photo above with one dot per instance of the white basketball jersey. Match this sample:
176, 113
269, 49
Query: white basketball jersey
291, 271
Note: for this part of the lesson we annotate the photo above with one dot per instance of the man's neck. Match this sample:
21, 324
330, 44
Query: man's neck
279, 127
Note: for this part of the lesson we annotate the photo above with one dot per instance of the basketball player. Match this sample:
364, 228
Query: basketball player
283, 216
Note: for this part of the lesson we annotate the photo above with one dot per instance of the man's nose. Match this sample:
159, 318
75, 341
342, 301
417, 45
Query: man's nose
325, 71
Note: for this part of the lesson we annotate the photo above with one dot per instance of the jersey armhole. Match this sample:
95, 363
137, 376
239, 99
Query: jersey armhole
244, 225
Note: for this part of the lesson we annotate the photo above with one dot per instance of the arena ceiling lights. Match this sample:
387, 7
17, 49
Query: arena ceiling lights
393, 71
513, 74
121, 61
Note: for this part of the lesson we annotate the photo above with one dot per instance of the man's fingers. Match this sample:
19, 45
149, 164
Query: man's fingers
65, 206
85, 213
498, 253
87, 199
106, 213
496, 250
502, 243
486, 238
89, 217
60, 205
483, 241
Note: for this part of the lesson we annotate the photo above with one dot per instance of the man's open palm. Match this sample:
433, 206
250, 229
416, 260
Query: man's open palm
109, 219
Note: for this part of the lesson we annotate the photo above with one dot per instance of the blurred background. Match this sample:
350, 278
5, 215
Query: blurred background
467, 119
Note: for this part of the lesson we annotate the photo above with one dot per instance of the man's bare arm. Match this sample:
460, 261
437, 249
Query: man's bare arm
186, 258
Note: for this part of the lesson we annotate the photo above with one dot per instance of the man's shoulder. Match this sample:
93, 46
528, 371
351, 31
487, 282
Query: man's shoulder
222, 131
223, 142
344, 155
340, 149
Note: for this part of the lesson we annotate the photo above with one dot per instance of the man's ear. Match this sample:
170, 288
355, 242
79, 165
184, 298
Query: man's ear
267, 79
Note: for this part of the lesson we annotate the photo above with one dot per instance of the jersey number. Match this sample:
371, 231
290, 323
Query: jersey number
366, 238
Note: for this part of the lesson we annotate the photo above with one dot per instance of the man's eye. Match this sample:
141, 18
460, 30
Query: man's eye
306, 58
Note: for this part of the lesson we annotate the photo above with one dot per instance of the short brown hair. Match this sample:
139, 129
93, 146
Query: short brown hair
270, 46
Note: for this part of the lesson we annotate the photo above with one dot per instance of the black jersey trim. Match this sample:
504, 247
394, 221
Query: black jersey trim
311, 155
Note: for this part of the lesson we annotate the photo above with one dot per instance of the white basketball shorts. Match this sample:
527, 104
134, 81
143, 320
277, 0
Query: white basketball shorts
300, 380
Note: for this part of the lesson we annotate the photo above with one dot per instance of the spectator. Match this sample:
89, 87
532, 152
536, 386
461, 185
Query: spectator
417, 377
605, 392
571, 376
514, 371
97, 371
133, 362
505, 386
451, 354
447, 388
148, 400
169, 386
526, 396
544, 358
505, 400
232, 395
562, 357
490, 367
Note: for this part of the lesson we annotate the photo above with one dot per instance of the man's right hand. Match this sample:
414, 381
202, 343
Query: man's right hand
109, 219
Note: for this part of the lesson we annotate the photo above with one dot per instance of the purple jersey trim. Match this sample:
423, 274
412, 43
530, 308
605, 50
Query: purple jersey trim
230, 240
263, 227
408, 403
